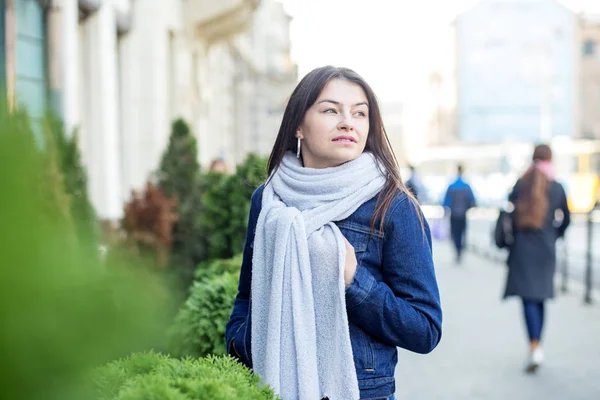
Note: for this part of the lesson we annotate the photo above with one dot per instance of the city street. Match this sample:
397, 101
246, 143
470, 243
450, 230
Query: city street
484, 347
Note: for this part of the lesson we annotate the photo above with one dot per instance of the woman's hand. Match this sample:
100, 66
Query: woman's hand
351, 263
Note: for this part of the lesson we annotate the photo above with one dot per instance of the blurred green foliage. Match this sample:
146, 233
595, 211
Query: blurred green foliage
63, 310
68, 158
179, 164
215, 217
248, 176
154, 376
199, 328
226, 205
218, 267
179, 177
212, 207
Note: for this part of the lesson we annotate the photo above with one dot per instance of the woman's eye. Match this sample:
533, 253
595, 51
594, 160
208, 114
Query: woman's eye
330, 111
361, 114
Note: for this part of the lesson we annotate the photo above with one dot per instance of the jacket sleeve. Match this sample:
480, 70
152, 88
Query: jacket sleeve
237, 331
447, 198
514, 194
472, 200
564, 207
404, 309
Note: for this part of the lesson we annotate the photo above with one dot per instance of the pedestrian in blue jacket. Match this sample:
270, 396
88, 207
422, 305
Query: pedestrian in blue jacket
458, 200
337, 270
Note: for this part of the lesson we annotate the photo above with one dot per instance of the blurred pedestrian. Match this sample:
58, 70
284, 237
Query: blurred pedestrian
337, 269
532, 261
413, 184
218, 165
458, 200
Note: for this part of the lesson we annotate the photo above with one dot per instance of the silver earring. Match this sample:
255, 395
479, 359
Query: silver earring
299, 145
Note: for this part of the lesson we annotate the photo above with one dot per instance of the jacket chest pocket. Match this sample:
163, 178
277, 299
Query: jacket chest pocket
359, 237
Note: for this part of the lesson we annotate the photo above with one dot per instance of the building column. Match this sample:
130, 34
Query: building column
202, 94
144, 91
102, 122
62, 33
2, 55
54, 54
70, 65
130, 125
244, 139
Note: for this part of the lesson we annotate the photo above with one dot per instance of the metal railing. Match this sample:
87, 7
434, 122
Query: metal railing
590, 256
579, 254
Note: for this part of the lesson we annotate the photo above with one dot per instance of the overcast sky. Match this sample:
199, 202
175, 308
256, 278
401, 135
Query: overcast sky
394, 44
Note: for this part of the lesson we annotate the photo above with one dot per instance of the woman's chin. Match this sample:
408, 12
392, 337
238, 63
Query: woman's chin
344, 155
332, 159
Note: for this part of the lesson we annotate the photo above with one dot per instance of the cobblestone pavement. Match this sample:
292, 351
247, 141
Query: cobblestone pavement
484, 347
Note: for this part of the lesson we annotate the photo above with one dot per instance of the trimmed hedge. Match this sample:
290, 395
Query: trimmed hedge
248, 176
216, 215
155, 376
217, 267
199, 328
226, 204
68, 158
179, 177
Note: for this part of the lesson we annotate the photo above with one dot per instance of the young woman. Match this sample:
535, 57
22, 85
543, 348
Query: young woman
532, 260
337, 269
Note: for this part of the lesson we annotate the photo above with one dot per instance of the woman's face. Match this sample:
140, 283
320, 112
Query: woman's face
335, 128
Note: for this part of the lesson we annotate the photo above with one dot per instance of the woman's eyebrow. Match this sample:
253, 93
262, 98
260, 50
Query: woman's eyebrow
329, 101
338, 103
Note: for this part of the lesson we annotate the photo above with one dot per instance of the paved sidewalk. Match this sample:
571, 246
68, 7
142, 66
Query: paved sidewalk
483, 349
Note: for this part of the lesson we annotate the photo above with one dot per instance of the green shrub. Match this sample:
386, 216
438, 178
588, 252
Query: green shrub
248, 176
226, 204
62, 313
155, 376
208, 269
189, 247
199, 328
179, 177
75, 180
179, 166
216, 215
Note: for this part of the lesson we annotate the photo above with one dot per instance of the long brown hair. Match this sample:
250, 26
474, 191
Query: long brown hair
532, 204
305, 95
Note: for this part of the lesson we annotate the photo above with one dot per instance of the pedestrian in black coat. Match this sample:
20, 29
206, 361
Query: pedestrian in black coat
532, 260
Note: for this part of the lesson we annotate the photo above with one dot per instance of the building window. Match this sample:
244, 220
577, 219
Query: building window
589, 48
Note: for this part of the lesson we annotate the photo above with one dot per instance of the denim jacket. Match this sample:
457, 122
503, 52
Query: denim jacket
392, 302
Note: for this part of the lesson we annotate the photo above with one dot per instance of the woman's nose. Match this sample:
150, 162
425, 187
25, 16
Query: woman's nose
346, 123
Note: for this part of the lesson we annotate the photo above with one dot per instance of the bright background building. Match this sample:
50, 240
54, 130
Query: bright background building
120, 71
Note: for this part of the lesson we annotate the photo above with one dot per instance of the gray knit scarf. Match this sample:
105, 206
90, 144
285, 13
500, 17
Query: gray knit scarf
300, 337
